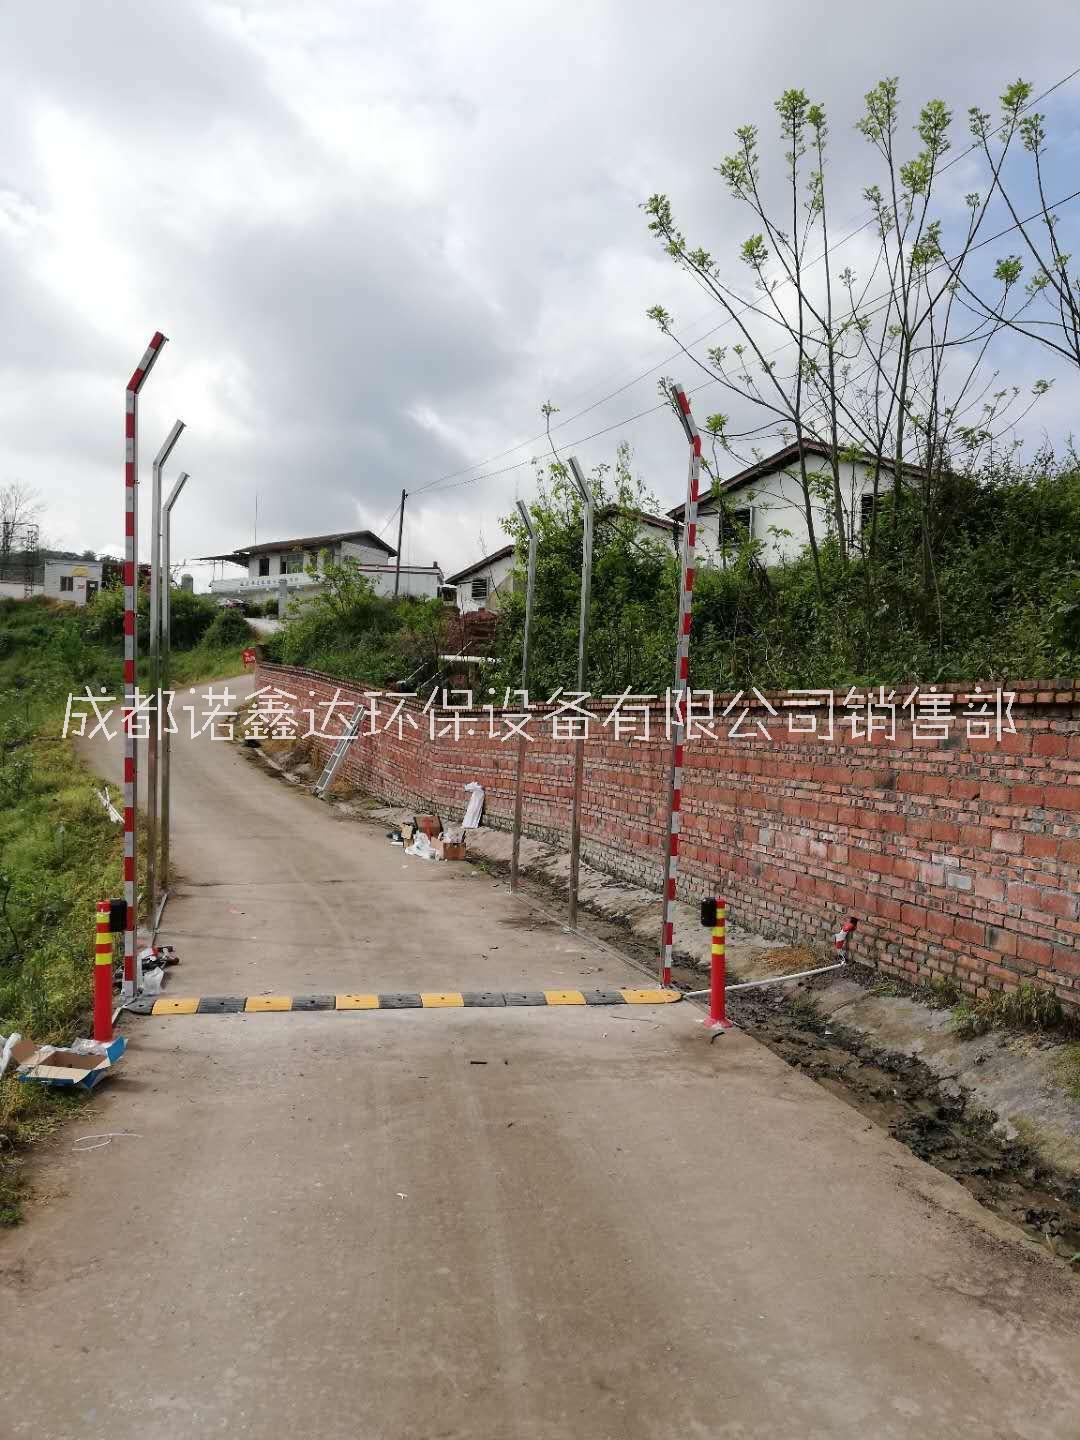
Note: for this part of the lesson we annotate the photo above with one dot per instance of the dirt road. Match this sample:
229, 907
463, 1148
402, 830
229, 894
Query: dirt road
490, 1223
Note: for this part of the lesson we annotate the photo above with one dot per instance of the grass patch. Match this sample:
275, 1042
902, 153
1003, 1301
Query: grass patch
59, 851
1067, 1070
1025, 1008
805, 1009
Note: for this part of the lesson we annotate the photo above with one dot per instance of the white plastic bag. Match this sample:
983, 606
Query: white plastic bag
9, 1045
421, 847
475, 807
151, 981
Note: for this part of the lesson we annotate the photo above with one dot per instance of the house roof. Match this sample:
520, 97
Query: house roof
779, 460
479, 565
768, 466
641, 516
304, 542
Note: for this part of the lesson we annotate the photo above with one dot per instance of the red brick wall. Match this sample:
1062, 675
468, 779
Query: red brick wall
960, 857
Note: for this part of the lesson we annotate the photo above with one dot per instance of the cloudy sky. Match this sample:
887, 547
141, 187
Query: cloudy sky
380, 235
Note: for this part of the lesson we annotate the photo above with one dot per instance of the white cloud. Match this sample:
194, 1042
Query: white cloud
380, 235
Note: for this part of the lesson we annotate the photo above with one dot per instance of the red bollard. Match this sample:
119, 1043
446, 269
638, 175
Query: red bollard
103, 977
718, 974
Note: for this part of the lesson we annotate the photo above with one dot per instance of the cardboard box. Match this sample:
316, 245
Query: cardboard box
431, 825
408, 830
64, 1067
448, 849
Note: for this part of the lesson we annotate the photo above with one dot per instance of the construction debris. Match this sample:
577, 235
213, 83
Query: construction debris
83, 1064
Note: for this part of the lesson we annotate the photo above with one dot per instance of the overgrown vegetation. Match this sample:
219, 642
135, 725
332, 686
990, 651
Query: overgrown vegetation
1008, 571
350, 632
59, 851
1028, 1007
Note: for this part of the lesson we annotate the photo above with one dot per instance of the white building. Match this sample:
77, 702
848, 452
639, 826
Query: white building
765, 503
266, 565
73, 581
482, 585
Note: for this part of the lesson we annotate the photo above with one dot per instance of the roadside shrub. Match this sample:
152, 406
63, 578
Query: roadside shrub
190, 617
227, 628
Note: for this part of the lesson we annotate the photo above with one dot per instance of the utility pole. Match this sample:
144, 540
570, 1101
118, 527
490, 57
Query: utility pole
397, 557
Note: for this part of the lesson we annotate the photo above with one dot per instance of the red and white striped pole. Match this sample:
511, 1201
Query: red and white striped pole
103, 958
682, 673
131, 600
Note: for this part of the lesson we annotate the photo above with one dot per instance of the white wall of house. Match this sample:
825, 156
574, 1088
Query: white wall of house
414, 579
483, 589
73, 581
777, 512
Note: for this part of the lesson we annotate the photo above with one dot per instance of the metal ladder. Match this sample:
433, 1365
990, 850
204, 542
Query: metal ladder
338, 754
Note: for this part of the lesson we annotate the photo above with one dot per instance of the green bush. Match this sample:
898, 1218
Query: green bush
228, 627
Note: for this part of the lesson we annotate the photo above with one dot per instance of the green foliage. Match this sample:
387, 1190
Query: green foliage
634, 589
1008, 572
349, 631
1028, 1007
59, 851
228, 627
190, 616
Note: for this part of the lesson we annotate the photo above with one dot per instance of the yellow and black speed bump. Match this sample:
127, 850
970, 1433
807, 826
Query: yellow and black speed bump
395, 1000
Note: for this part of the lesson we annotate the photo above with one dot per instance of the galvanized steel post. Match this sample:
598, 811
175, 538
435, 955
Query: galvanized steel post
519, 777
166, 656
583, 640
155, 675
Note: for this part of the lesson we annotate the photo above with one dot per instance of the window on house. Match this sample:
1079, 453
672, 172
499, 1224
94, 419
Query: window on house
867, 505
292, 564
480, 588
736, 525
67, 582
264, 564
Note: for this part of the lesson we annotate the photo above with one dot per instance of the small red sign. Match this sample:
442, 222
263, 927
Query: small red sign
249, 657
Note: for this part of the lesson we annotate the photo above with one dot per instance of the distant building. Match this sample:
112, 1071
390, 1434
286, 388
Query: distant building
482, 585
73, 581
266, 565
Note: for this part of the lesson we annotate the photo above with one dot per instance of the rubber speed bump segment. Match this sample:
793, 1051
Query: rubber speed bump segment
393, 1000
179, 1006
256, 1003
564, 997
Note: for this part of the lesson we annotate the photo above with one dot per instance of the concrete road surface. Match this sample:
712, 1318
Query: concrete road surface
505, 1224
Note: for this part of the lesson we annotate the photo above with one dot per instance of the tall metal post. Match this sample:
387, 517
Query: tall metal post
166, 656
578, 478
682, 674
397, 557
131, 597
519, 777
155, 675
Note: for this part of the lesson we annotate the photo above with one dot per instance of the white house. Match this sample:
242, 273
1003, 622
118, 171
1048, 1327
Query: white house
73, 581
266, 565
482, 585
765, 503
